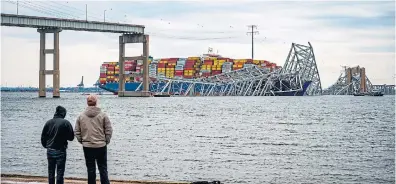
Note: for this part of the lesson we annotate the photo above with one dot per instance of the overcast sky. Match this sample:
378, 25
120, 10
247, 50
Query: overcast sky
342, 34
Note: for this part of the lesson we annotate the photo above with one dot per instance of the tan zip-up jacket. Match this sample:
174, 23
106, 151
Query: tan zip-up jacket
93, 128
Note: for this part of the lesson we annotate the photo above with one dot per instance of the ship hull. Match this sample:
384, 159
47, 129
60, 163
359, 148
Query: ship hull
181, 88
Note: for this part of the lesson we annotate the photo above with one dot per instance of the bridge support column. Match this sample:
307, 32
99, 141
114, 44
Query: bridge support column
55, 72
133, 38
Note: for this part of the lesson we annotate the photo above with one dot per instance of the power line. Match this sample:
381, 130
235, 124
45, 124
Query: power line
252, 32
63, 10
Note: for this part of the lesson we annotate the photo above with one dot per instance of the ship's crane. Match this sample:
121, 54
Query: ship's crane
81, 85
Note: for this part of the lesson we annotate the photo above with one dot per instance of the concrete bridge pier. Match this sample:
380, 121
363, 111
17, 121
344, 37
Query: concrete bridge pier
133, 38
55, 72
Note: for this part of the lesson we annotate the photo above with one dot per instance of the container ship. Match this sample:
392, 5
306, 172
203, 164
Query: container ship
189, 68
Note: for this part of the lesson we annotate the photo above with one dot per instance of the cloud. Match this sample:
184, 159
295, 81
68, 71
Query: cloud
181, 29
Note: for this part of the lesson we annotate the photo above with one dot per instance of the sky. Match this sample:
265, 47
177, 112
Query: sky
342, 33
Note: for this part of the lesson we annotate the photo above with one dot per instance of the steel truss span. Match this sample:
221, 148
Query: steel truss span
298, 77
301, 59
352, 80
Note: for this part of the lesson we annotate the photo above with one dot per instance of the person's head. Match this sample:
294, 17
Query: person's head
91, 100
60, 112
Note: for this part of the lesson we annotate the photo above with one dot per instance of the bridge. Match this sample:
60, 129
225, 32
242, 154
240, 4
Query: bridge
355, 80
386, 89
130, 33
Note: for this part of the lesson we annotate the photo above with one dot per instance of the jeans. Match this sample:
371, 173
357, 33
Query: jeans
56, 159
98, 155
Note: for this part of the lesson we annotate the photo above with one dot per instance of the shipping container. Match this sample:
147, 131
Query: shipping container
193, 58
216, 72
102, 75
191, 67
181, 62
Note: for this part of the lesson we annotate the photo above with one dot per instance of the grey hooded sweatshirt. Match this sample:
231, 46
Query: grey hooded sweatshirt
93, 128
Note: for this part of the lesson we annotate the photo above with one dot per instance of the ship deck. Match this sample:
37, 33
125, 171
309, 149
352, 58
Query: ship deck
14, 178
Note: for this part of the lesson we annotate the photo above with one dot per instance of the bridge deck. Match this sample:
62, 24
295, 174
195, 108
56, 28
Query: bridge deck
68, 24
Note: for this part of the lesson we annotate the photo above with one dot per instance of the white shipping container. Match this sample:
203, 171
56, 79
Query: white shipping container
248, 65
181, 63
139, 62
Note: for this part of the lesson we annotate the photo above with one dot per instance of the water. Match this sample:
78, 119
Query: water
328, 139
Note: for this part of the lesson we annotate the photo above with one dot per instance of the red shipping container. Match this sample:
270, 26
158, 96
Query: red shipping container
216, 72
190, 63
189, 67
130, 69
105, 65
103, 75
161, 65
110, 68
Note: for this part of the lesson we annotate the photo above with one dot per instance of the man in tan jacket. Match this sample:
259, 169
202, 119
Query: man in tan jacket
93, 130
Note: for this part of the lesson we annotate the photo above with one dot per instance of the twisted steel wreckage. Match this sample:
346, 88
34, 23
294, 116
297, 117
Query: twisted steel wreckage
299, 76
353, 80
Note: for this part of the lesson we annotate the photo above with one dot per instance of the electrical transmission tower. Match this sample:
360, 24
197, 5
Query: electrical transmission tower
252, 32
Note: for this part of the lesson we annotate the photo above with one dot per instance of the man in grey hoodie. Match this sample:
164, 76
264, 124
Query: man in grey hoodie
93, 130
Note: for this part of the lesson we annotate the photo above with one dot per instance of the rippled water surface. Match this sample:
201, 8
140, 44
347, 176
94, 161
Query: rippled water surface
327, 139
